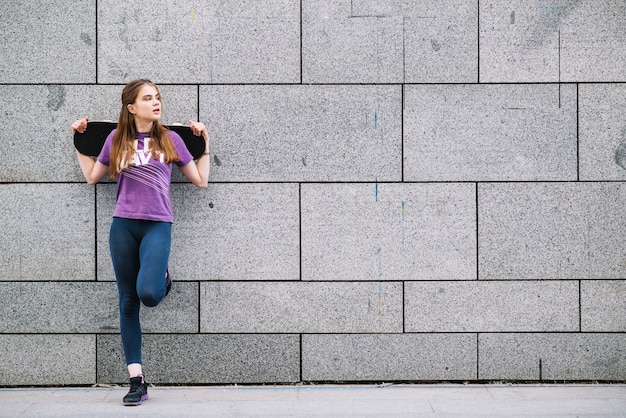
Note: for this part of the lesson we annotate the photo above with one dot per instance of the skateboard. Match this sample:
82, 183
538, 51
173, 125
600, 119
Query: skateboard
92, 140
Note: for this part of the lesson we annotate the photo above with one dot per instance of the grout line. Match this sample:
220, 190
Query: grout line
301, 43
580, 306
343, 333
300, 225
95, 213
96, 7
577, 135
477, 236
97, 359
402, 135
477, 355
559, 49
346, 182
349, 84
200, 307
478, 41
301, 356
352, 281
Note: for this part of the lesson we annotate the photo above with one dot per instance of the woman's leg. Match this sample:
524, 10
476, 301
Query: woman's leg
124, 246
154, 252
140, 252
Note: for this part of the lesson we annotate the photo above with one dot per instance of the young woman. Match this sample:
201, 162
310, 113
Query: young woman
140, 153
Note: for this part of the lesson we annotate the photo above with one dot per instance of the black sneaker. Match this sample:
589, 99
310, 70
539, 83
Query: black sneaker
138, 392
168, 282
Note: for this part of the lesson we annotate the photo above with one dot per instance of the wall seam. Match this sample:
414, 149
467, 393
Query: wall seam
477, 235
96, 7
477, 355
402, 134
95, 230
199, 329
97, 359
504, 83
478, 41
577, 133
580, 307
301, 48
559, 61
301, 358
300, 229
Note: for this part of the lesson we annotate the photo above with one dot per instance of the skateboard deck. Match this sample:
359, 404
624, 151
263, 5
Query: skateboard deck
92, 140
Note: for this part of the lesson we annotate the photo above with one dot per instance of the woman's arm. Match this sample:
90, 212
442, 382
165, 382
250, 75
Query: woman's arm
198, 173
92, 170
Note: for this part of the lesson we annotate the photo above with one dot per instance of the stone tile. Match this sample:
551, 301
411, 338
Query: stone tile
389, 42
340, 47
44, 359
303, 132
39, 146
94, 309
602, 132
382, 231
593, 45
206, 359
600, 303
567, 41
388, 357
551, 231
212, 42
47, 232
48, 42
227, 232
552, 357
490, 133
297, 307
479, 306
440, 41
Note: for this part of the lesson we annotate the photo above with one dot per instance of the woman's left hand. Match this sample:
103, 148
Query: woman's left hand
198, 128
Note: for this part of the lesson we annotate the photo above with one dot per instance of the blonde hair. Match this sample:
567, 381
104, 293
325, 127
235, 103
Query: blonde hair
122, 149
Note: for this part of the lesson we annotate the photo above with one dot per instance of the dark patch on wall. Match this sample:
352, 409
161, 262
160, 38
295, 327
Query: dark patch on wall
56, 97
86, 38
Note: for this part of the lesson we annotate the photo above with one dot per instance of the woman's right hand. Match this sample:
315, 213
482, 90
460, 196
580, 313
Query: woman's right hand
80, 125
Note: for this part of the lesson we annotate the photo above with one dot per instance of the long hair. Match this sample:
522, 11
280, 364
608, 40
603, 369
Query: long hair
122, 149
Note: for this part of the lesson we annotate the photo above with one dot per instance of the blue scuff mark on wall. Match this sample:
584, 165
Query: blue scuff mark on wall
376, 189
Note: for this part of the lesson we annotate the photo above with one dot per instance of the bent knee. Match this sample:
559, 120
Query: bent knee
151, 299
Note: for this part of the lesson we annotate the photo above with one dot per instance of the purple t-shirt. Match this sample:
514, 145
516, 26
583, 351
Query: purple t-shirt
143, 189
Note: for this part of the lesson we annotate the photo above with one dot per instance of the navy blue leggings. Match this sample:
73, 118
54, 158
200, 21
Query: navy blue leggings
140, 251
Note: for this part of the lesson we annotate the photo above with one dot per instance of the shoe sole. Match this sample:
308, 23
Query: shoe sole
168, 283
143, 398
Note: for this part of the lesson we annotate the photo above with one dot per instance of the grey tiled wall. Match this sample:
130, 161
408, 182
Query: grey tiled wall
400, 191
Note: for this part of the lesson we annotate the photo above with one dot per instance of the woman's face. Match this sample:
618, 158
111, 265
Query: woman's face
147, 106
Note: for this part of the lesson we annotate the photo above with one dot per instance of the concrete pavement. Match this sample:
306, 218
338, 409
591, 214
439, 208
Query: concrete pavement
564, 400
